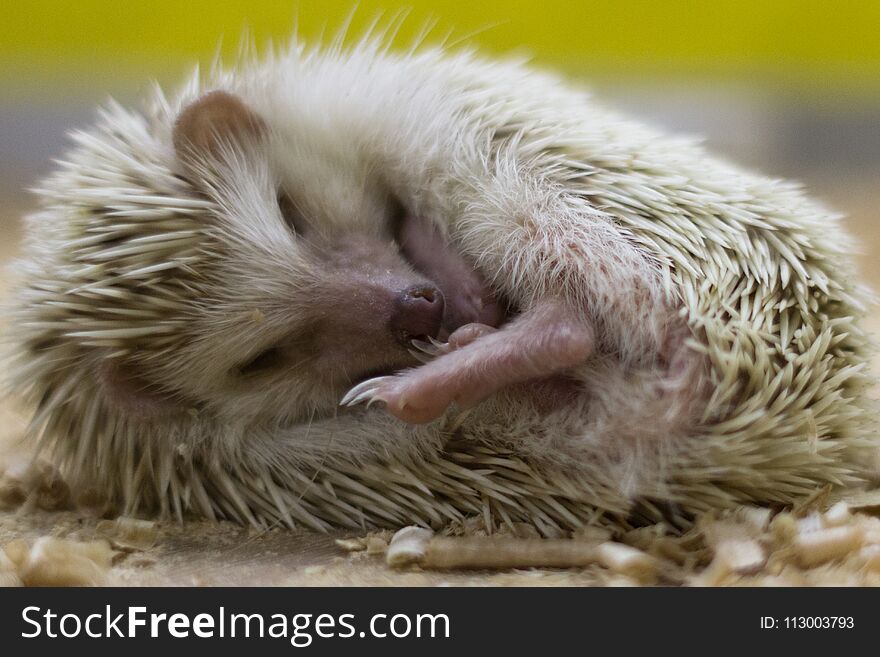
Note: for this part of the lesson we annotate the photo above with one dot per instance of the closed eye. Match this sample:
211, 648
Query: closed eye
266, 360
291, 214
396, 214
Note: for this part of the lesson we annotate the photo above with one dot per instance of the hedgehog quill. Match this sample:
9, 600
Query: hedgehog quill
346, 287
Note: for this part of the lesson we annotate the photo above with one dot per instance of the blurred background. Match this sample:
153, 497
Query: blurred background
789, 87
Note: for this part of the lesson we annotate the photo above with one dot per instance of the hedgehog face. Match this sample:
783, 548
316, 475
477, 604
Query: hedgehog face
317, 277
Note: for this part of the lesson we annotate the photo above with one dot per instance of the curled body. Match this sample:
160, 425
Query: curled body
532, 309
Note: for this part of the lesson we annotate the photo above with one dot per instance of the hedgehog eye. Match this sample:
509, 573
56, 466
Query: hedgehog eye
396, 217
291, 213
267, 359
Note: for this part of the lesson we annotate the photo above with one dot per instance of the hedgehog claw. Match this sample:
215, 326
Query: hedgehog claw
366, 391
419, 356
430, 348
421, 345
433, 348
365, 396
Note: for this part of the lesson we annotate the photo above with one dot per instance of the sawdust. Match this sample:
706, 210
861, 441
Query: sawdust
840, 546
53, 561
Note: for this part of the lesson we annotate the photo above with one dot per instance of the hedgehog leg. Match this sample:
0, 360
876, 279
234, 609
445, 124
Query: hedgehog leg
541, 342
684, 387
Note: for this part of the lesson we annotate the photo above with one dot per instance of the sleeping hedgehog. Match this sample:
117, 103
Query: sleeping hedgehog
347, 287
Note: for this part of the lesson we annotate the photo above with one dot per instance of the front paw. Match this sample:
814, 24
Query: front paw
409, 396
478, 361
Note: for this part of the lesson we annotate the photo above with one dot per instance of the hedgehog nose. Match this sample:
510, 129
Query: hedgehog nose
418, 311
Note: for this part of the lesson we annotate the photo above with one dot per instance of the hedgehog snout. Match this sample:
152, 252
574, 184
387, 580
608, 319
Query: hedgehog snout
417, 312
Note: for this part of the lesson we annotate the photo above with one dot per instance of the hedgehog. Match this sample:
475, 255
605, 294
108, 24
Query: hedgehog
354, 287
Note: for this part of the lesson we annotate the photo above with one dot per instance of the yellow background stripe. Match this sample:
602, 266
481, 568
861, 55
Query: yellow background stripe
812, 42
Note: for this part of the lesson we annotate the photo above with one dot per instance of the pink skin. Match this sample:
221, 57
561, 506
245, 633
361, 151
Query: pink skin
468, 298
539, 343
546, 394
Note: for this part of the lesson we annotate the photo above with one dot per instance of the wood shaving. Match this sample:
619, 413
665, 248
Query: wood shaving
414, 545
129, 533
352, 544
408, 546
819, 546
8, 572
837, 515
33, 483
59, 562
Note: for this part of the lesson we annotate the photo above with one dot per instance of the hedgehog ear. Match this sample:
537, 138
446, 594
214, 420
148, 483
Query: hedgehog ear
212, 123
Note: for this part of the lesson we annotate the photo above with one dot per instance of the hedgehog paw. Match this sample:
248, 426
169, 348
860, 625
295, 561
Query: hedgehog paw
409, 396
